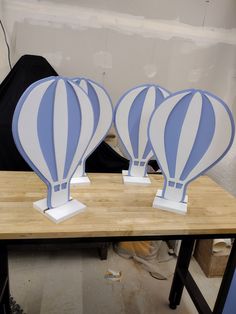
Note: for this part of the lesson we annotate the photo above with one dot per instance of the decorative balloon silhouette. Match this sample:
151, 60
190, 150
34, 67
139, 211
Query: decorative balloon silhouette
189, 133
52, 126
132, 115
103, 116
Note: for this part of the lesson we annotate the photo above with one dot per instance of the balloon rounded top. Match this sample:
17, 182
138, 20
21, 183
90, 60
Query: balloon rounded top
51, 129
132, 114
190, 132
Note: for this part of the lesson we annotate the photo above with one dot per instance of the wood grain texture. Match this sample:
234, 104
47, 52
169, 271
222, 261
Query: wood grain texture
113, 209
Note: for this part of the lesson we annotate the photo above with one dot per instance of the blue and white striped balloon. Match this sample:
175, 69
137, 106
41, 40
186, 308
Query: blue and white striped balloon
52, 126
103, 116
189, 132
132, 115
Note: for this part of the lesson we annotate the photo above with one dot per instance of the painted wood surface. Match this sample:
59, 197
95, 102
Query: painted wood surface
113, 209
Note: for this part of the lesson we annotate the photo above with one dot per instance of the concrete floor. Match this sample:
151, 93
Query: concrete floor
49, 280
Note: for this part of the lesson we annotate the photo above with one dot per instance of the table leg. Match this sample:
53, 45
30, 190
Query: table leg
182, 265
4, 281
226, 282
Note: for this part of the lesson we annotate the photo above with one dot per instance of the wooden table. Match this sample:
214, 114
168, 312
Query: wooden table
116, 212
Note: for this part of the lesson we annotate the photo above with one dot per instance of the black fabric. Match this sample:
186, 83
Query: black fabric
25, 72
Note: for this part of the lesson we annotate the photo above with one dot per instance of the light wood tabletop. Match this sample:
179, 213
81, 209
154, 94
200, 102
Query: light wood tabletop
113, 209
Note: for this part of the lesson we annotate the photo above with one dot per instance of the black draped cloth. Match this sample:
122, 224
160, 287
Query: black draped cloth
26, 71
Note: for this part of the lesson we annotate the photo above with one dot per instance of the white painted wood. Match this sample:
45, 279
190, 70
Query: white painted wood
60, 213
188, 133
135, 180
167, 205
80, 180
27, 128
157, 137
60, 127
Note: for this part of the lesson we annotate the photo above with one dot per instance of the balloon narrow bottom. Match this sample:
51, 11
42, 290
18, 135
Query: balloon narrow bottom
170, 205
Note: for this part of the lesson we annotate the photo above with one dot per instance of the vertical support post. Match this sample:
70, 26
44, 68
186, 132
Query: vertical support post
182, 265
4, 281
226, 281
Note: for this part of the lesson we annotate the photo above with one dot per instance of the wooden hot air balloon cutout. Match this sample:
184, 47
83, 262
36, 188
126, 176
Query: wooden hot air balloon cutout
190, 132
132, 115
103, 116
52, 126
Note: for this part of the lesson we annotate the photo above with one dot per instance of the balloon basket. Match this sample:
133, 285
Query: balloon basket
135, 180
60, 213
168, 205
80, 180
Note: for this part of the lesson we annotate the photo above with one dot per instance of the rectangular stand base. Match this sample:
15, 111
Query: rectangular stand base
172, 206
61, 213
135, 180
80, 180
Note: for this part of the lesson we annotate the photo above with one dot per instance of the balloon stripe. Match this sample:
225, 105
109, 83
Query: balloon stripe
164, 92
28, 132
160, 96
74, 122
86, 129
103, 125
188, 133
157, 128
147, 110
203, 138
83, 84
60, 127
122, 116
134, 121
221, 139
44, 126
173, 130
95, 104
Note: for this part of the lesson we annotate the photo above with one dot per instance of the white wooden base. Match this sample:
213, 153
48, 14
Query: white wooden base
172, 206
135, 180
80, 180
60, 213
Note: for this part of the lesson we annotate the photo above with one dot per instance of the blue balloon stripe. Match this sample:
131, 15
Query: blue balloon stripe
45, 129
173, 130
158, 100
203, 138
74, 127
95, 104
134, 120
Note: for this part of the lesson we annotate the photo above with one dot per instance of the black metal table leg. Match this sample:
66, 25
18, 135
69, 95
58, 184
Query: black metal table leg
182, 265
226, 281
4, 281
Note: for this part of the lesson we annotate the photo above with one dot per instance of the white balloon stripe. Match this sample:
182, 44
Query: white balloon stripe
188, 133
147, 110
164, 92
83, 84
60, 127
122, 117
86, 130
223, 131
157, 134
105, 118
28, 132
